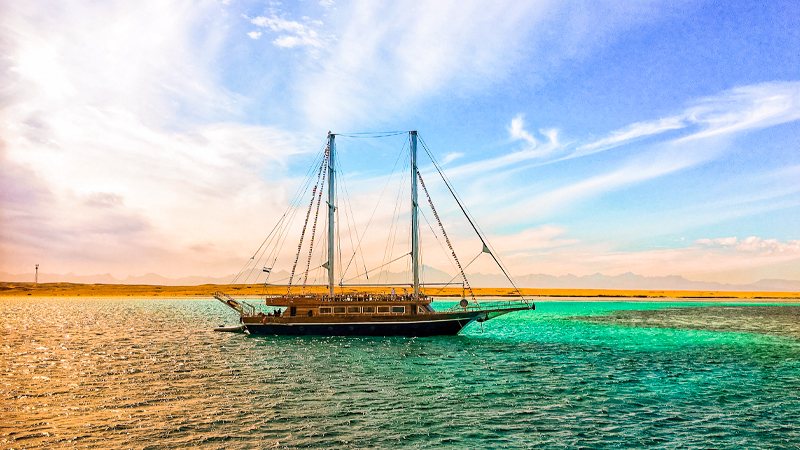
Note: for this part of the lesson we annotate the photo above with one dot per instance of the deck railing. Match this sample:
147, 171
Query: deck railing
494, 306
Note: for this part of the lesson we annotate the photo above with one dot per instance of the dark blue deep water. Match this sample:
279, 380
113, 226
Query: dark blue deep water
122, 373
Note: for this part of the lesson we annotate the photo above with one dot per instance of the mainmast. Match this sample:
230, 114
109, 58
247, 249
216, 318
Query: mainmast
414, 216
331, 210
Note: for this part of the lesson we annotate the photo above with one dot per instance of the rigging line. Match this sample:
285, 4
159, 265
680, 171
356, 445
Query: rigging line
374, 210
347, 216
267, 239
289, 206
305, 224
395, 225
456, 275
316, 217
446, 238
277, 249
437, 238
370, 137
467, 215
257, 262
286, 278
378, 267
281, 241
373, 134
266, 243
338, 233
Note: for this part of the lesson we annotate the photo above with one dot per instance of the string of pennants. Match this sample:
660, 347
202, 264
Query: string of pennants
308, 214
444, 233
316, 217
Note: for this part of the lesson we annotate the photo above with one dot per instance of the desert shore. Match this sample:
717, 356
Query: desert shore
9, 289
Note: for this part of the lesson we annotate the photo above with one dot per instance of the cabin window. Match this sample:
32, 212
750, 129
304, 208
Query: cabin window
368, 310
421, 309
353, 310
339, 309
384, 309
325, 310
398, 309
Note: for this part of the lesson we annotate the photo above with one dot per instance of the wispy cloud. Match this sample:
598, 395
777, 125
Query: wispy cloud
97, 174
292, 34
517, 131
549, 145
739, 109
388, 56
709, 123
450, 157
630, 133
731, 261
753, 244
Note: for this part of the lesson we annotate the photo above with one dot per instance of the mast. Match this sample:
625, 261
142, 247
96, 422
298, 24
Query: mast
331, 209
414, 216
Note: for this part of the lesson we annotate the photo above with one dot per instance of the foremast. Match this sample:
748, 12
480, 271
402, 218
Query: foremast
331, 212
414, 216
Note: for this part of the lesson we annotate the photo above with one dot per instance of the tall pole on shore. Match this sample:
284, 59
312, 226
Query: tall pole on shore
36, 277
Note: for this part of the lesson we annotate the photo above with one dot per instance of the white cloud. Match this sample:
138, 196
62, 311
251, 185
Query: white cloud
450, 157
299, 35
254, 34
98, 174
535, 150
717, 241
736, 110
388, 56
631, 132
517, 132
753, 244
714, 120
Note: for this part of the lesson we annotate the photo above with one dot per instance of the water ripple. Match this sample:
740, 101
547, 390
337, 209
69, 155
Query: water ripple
126, 373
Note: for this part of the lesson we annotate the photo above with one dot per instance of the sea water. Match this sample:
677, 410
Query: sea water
128, 373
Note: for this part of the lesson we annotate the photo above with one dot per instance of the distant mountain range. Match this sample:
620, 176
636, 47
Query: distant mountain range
431, 275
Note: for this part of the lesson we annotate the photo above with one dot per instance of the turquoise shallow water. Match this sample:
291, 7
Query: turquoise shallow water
122, 373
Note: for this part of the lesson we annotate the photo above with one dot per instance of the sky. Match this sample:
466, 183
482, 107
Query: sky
653, 137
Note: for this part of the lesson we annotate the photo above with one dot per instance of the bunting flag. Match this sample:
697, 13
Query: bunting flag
447, 239
316, 218
308, 214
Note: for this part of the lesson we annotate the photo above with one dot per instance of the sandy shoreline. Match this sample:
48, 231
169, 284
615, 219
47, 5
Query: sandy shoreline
13, 289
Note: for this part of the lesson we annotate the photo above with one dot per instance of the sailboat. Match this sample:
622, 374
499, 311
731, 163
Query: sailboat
358, 312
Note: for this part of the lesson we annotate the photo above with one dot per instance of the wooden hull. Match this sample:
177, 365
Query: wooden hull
441, 326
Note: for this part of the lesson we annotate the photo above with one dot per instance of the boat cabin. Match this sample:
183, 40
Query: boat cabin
352, 306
